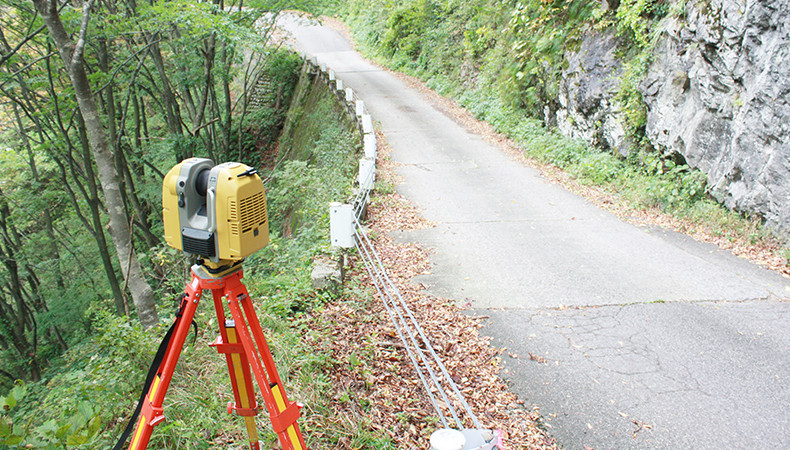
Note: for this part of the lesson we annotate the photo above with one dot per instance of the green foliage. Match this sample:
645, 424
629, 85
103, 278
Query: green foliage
259, 129
36, 267
672, 186
634, 19
197, 19
541, 33
102, 371
406, 27
82, 395
11, 434
599, 168
183, 147
80, 428
629, 96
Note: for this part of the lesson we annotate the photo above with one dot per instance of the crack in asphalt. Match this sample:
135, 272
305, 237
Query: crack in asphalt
597, 335
710, 363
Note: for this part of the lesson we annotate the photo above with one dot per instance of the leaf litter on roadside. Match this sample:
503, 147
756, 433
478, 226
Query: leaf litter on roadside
371, 374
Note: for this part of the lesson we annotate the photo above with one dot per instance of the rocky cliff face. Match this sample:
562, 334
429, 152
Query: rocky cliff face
587, 110
716, 93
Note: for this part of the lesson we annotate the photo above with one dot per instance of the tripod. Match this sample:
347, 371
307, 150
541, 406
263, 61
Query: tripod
238, 339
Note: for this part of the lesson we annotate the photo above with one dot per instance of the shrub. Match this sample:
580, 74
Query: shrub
406, 27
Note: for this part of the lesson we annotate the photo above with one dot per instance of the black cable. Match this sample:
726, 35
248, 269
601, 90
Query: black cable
160, 355
149, 379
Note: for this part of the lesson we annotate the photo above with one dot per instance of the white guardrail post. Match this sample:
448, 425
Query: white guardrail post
367, 173
369, 143
360, 108
341, 225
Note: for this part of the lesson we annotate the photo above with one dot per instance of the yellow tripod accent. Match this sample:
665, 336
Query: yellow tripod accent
246, 350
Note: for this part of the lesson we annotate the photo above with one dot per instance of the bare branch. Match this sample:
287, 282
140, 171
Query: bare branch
25, 67
79, 48
12, 51
123, 65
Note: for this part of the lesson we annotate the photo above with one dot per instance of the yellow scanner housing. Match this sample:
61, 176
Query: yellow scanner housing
215, 212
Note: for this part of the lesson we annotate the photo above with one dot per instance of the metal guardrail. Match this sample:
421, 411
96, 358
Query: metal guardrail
346, 231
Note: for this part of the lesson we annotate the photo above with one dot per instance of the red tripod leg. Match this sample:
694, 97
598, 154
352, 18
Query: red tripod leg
283, 414
245, 404
151, 413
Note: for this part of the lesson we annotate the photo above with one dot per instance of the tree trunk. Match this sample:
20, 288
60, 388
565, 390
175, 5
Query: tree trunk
18, 318
131, 201
94, 204
172, 111
71, 54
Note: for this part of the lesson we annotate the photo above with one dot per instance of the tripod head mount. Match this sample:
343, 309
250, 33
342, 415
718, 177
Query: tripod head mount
217, 213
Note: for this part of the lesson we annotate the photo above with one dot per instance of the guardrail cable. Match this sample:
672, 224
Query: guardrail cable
375, 273
361, 200
407, 326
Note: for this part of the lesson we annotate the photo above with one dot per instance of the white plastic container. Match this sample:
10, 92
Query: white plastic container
447, 439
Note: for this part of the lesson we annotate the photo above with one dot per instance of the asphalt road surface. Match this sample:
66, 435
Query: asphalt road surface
624, 336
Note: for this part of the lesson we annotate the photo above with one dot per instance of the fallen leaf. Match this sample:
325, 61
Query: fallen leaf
539, 359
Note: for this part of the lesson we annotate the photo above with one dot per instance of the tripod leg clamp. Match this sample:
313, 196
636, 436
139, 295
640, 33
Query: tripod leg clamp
282, 421
242, 411
225, 348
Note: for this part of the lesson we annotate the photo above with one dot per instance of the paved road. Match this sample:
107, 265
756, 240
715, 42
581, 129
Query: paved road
640, 337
